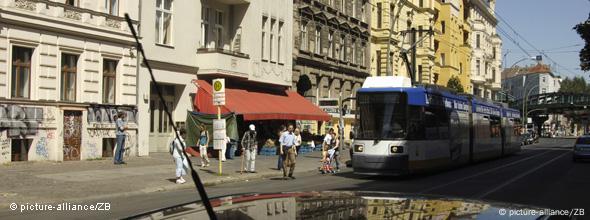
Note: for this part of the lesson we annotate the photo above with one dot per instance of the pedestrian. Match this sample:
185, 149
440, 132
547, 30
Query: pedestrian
326, 145
335, 145
203, 144
297, 139
121, 127
177, 149
288, 152
280, 160
249, 148
226, 142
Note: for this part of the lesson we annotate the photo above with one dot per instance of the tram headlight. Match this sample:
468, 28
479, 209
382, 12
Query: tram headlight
396, 149
358, 148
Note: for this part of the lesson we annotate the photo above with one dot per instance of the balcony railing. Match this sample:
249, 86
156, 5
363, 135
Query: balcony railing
224, 62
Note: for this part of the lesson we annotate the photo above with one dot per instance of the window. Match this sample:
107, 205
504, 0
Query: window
363, 18
543, 78
279, 42
204, 26
112, 7
378, 58
264, 21
494, 52
353, 55
363, 55
478, 67
21, 72
109, 72
69, 64
442, 59
318, 40
460, 68
75, 3
304, 36
343, 47
219, 29
108, 146
477, 41
164, 22
353, 8
421, 3
543, 90
271, 40
331, 44
442, 26
379, 19
494, 74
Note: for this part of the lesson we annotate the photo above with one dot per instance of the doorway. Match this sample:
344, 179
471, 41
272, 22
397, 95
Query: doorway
72, 134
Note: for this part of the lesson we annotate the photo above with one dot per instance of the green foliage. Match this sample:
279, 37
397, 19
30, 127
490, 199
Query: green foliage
575, 85
455, 84
583, 30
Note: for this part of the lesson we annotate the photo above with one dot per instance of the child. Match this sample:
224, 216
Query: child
327, 162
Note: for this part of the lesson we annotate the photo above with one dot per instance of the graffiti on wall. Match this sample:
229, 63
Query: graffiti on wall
108, 114
91, 151
4, 148
41, 148
19, 120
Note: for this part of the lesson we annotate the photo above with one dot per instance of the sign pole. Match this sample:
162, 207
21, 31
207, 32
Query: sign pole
220, 151
219, 126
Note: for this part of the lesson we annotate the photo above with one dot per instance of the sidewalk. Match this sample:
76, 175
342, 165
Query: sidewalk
51, 182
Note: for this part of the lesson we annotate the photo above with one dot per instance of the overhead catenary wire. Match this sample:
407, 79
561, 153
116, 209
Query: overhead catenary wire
198, 184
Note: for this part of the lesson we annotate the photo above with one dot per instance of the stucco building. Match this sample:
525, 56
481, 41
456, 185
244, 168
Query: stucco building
487, 45
66, 68
330, 54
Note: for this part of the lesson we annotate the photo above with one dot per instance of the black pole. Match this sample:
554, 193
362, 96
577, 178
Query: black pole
404, 55
198, 184
413, 41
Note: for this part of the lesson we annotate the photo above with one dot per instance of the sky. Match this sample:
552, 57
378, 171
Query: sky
547, 25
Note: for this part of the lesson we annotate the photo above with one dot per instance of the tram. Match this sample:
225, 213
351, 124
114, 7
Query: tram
404, 129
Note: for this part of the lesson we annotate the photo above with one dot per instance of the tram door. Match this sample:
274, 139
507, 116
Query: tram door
455, 137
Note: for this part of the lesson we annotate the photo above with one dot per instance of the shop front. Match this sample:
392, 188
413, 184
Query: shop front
268, 110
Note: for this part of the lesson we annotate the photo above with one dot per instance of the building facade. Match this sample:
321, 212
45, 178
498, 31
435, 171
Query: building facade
451, 44
330, 53
66, 69
170, 36
487, 45
533, 80
403, 23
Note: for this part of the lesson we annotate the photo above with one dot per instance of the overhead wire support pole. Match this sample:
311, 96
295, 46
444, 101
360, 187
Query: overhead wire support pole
198, 184
404, 54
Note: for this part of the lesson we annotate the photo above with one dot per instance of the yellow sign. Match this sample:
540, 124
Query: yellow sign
219, 92
217, 86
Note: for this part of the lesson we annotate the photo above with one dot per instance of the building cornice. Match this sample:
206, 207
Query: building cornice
484, 11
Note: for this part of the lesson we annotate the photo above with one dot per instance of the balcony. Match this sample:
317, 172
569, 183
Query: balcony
62, 13
478, 79
217, 61
233, 2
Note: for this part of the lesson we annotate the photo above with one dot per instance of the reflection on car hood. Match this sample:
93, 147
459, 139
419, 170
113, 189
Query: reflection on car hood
341, 205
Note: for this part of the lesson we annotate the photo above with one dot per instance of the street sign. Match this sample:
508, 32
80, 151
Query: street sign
218, 133
219, 92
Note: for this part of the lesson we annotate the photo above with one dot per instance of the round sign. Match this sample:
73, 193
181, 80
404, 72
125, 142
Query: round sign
217, 86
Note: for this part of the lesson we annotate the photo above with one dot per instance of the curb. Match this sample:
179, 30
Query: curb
165, 188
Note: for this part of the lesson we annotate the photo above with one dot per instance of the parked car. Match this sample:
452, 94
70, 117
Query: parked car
582, 148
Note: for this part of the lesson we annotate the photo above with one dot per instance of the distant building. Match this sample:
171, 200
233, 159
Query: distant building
537, 79
330, 53
66, 69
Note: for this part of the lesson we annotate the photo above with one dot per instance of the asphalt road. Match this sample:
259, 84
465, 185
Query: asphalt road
540, 175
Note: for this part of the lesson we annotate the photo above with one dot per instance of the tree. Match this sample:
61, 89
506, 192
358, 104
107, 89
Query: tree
583, 30
455, 84
575, 85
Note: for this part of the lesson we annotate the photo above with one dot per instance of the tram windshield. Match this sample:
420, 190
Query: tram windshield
382, 116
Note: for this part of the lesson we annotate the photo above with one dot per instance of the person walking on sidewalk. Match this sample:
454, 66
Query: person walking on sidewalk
280, 160
297, 139
176, 149
249, 147
203, 143
288, 152
120, 133
336, 147
326, 145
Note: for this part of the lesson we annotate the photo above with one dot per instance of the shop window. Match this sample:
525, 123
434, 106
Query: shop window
108, 146
20, 149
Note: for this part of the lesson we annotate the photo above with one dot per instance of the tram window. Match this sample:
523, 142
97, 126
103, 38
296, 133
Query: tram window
494, 126
436, 123
415, 123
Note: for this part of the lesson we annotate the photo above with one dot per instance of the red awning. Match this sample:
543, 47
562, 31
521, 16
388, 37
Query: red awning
255, 105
